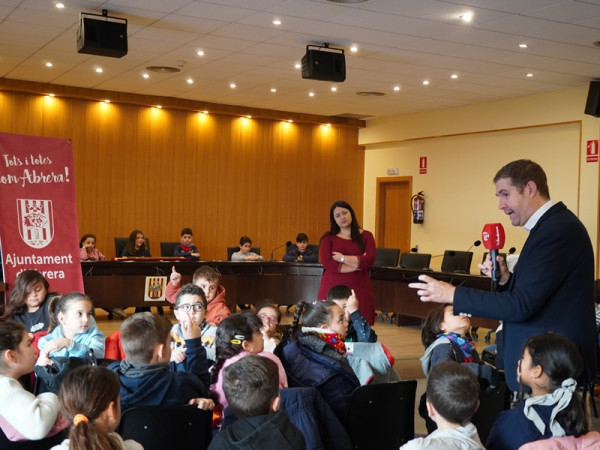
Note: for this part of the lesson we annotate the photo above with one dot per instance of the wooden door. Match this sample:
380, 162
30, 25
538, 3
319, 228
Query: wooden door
393, 213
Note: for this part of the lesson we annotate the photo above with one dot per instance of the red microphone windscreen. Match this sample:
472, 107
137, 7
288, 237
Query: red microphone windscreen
492, 236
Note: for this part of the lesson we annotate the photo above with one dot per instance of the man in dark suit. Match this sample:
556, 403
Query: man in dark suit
552, 285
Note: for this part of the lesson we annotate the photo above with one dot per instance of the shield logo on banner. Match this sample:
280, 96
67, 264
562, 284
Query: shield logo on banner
36, 222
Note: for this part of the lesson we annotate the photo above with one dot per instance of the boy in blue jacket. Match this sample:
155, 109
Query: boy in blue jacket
146, 375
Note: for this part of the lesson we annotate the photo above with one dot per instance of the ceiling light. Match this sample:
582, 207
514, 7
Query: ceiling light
311, 94
248, 116
60, 5
523, 45
106, 100
333, 89
50, 95
396, 88
159, 106
529, 75
146, 75
466, 17
354, 49
48, 64
290, 120
232, 86
98, 69
454, 76
189, 81
276, 22
200, 52
273, 90
297, 66
425, 82
205, 112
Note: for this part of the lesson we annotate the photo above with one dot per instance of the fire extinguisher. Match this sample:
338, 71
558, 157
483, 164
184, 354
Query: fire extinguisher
417, 205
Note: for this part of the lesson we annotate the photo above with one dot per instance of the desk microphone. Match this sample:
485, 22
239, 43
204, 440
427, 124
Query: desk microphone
465, 259
493, 240
512, 250
287, 243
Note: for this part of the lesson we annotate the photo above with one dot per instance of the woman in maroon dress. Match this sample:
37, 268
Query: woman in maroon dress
346, 253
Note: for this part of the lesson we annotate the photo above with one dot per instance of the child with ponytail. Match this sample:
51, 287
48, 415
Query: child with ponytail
314, 357
90, 397
549, 367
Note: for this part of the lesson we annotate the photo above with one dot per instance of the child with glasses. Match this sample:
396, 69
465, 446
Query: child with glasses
270, 316
191, 301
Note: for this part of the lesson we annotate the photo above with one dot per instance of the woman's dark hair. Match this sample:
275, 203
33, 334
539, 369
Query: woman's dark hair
11, 334
24, 282
131, 242
61, 304
560, 359
84, 237
311, 315
354, 226
431, 328
231, 333
89, 390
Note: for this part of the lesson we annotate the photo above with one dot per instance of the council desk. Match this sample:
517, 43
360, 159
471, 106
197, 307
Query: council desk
121, 284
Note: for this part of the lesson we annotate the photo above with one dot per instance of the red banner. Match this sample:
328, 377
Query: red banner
38, 212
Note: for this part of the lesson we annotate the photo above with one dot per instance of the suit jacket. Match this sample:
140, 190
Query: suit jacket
551, 289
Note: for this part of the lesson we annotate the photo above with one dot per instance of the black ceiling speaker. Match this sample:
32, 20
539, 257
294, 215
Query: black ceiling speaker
324, 63
592, 106
102, 35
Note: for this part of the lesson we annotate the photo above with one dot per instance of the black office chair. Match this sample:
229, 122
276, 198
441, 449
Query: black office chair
416, 261
491, 403
457, 261
182, 427
121, 243
168, 248
387, 257
382, 416
232, 250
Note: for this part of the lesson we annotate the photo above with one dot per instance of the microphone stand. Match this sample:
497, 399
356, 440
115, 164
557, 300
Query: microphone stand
277, 248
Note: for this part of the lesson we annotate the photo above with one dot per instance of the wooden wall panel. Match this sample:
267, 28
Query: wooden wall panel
160, 170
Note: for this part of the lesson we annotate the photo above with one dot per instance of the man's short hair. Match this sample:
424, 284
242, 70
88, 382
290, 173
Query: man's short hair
141, 333
190, 289
522, 172
301, 237
339, 292
187, 231
250, 385
207, 273
245, 240
453, 390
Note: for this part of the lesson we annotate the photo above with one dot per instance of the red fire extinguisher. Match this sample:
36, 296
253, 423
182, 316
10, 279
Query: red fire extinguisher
417, 205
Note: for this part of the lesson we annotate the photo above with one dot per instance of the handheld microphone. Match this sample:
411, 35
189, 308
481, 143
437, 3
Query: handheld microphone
493, 239
287, 243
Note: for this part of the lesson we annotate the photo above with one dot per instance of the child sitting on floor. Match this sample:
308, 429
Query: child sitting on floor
191, 301
24, 416
147, 378
208, 279
252, 391
452, 398
90, 396
270, 316
549, 367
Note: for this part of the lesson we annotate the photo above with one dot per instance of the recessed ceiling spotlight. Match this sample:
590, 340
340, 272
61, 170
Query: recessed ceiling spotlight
425, 82
523, 45
290, 120
106, 100
205, 111
466, 17
297, 65
98, 69
232, 86
333, 89
276, 22
396, 88
248, 116
48, 64
60, 5
50, 95
454, 76
273, 90
189, 81
529, 75
200, 52
146, 75
159, 106
311, 94
354, 49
